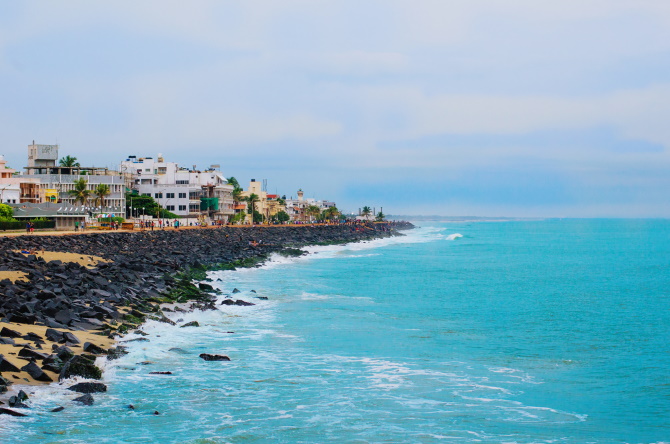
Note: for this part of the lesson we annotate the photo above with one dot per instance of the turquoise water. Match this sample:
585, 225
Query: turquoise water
514, 332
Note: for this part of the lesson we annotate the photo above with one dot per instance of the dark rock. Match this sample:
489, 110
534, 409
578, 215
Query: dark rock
4, 411
7, 341
80, 366
191, 324
205, 287
64, 317
89, 387
92, 348
235, 290
208, 357
64, 353
84, 399
36, 373
160, 373
6, 366
8, 333
58, 409
28, 353
242, 303
69, 337
262, 298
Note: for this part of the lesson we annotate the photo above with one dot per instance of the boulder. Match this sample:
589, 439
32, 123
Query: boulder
80, 366
69, 337
191, 324
4, 411
9, 333
54, 335
92, 348
208, 357
36, 372
60, 408
89, 387
86, 399
6, 366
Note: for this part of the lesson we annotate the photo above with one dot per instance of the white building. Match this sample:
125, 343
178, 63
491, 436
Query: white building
182, 191
296, 207
55, 181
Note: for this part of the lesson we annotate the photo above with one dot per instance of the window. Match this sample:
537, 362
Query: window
169, 207
182, 182
146, 194
182, 196
194, 208
169, 195
182, 207
158, 195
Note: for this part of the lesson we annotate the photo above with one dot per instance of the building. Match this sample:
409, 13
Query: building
56, 181
261, 205
15, 189
297, 208
64, 216
182, 191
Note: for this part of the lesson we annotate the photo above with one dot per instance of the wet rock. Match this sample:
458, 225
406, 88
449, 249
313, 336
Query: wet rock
58, 409
235, 290
191, 324
209, 357
160, 373
80, 366
86, 399
88, 387
178, 350
4, 411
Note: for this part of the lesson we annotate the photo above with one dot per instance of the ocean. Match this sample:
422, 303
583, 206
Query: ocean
544, 331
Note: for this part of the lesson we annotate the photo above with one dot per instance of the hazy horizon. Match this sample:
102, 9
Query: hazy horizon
510, 109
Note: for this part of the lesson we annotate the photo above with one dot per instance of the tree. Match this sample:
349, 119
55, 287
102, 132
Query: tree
81, 193
331, 213
380, 216
313, 211
146, 205
232, 181
366, 211
258, 217
6, 212
68, 161
252, 199
282, 216
281, 201
100, 192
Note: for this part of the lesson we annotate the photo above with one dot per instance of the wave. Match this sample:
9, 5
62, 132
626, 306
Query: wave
454, 236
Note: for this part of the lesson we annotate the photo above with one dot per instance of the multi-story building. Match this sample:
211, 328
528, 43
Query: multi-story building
296, 208
14, 189
56, 181
182, 191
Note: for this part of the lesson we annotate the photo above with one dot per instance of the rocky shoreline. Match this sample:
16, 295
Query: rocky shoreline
60, 300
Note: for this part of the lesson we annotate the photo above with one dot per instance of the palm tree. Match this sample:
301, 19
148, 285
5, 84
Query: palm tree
332, 212
232, 181
100, 192
313, 211
81, 193
68, 161
252, 199
380, 216
366, 211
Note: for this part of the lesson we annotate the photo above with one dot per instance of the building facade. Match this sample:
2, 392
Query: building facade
55, 182
15, 189
182, 191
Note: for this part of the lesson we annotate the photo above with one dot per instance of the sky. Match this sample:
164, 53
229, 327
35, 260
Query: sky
484, 108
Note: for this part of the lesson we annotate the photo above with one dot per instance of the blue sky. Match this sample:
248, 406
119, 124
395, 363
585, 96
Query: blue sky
515, 108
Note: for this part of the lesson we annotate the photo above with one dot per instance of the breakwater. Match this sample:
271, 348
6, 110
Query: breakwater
142, 266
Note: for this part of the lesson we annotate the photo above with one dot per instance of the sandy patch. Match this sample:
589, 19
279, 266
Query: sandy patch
81, 259
10, 352
13, 276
